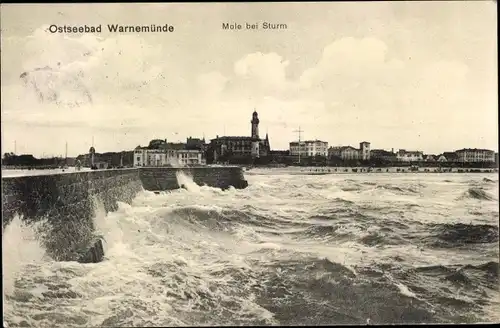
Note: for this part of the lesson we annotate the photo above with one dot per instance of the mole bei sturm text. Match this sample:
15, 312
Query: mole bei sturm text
254, 26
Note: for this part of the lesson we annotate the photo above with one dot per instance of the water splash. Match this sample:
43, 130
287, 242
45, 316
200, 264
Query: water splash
20, 247
186, 182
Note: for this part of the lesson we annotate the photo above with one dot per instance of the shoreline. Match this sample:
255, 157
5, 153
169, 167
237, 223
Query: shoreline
366, 170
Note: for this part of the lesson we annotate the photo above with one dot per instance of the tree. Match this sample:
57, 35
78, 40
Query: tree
156, 143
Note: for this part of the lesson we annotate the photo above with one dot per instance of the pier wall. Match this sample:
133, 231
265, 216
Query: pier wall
165, 178
68, 201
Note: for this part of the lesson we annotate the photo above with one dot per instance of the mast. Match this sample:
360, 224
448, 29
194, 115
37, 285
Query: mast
299, 131
66, 154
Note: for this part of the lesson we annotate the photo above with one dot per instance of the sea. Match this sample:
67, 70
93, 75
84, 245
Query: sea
291, 249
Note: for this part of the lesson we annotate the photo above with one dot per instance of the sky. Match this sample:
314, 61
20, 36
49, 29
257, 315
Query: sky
403, 75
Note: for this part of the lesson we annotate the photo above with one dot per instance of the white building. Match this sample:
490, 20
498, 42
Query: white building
167, 157
309, 148
409, 156
351, 153
344, 152
475, 155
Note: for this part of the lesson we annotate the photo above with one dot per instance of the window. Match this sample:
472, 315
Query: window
138, 159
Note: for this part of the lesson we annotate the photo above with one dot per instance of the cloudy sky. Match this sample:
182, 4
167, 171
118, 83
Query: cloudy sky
418, 76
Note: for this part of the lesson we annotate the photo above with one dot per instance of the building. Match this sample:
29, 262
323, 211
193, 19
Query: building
309, 148
475, 155
441, 158
409, 156
448, 156
196, 143
430, 158
364, 150
344, 152
225, 147
383, 155
351, 153
167, 154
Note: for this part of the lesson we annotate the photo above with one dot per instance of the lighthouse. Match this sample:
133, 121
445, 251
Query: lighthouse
255, 134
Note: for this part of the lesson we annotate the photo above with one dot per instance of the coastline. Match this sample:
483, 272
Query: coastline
314, 170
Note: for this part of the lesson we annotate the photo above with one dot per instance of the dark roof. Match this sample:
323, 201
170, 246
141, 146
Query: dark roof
473, 149
173, 145
449, 154
347, 147
311, 141
382, 152
411, 151
306, 141
232, 138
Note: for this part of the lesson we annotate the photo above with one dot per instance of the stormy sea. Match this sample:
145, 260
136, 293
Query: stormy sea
288, 250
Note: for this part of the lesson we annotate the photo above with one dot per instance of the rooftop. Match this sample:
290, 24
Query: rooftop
473, 149
308, 141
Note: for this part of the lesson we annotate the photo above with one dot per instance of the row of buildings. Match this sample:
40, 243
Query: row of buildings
311, 148
198, 152
252, 149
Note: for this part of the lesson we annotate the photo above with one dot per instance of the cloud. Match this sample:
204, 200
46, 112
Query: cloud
122, 85
211, 84
264, 72
360, 74
91, 81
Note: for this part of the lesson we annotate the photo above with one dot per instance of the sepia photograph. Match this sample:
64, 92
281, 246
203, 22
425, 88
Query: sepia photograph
249, 164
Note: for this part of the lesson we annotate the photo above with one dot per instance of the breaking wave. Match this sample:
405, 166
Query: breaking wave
288, 250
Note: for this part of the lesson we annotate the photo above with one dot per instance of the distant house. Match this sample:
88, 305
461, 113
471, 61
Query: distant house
383, 154
441, 158
345, 152
475, 155
309, 148
351, 153
409, 156
196, 143
430, 158
450, 156
163, 153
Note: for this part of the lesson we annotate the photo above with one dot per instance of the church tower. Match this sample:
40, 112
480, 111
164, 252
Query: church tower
255, 125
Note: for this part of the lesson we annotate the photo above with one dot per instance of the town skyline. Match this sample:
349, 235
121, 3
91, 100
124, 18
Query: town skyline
399, 75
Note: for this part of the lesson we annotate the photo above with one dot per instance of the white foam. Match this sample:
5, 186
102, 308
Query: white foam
20, 246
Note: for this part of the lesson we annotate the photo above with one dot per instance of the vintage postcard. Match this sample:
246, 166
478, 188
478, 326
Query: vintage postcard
208, 164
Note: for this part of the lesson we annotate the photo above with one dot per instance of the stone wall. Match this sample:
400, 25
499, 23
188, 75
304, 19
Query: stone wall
164, 178
67, 201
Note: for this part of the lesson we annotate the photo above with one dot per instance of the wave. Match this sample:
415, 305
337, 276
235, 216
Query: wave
317, 291
485, 274
220, 219
478, 193
400, 189
198, 256
456, 234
